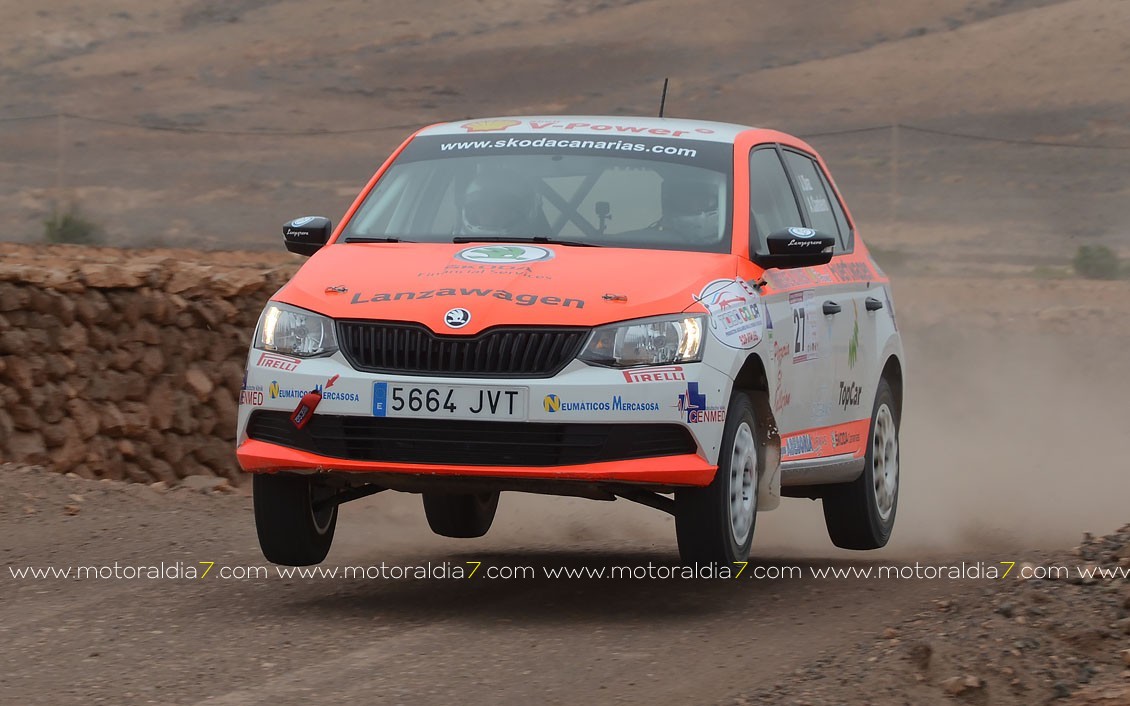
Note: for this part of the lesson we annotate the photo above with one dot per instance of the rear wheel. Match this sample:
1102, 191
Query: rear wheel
295, 517
460, 515
861, 514
715, 524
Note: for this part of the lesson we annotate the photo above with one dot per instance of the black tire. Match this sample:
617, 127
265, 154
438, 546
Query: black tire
460, 515
710, 522
290, 531
861, 514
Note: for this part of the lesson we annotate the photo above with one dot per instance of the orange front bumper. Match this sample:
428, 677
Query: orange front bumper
688, 469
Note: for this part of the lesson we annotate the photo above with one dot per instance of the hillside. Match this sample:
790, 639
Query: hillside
211, 105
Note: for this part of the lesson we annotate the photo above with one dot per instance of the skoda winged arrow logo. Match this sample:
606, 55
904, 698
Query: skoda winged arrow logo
457, 318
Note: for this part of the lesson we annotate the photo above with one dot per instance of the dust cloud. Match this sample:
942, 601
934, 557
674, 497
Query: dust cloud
1009, 443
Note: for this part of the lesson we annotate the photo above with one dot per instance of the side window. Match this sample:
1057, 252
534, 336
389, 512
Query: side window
847, 235
771, 202
824, 211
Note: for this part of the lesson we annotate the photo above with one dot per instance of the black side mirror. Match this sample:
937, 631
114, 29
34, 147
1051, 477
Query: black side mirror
307, 235
796, 247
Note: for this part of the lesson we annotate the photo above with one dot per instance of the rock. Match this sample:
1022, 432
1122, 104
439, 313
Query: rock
1006, 609
890, 633
199, 383
84, 416
1122, 626
27, 447
71, 509
1126, 657
160, 486
919, 654
953, 685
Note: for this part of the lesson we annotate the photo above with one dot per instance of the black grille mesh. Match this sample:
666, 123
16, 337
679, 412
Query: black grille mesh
530, 352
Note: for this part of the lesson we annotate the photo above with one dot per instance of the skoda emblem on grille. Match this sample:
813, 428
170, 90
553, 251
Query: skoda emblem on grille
457, 318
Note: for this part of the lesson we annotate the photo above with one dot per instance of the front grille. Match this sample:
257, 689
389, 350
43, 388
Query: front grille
528, 352
470, 443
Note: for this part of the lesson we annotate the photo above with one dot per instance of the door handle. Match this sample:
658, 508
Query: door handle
872, 304
832, 308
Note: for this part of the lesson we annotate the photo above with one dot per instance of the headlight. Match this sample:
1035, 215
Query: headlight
293, 331
658, 341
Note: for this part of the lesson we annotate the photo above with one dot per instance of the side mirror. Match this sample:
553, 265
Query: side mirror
307, 235
796, 247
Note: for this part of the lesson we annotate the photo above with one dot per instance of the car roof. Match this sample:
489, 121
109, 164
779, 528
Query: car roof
607, 125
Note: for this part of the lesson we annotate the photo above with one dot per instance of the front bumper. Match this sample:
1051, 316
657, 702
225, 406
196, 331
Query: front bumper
660, 429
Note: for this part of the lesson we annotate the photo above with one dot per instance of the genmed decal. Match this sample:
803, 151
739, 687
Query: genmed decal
665, 373
799, 445
694, 405
504, 295
251, 395
735, 312
277, 362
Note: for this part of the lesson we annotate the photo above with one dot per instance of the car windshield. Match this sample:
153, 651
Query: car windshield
638, 192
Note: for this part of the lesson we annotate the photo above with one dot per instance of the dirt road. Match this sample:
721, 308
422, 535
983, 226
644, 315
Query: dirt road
281, 641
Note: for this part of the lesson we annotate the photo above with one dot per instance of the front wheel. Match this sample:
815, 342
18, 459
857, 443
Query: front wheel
715, 524
295, 517
861, 514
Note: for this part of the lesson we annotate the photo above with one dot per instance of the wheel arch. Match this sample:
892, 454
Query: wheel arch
892, 373
753, 380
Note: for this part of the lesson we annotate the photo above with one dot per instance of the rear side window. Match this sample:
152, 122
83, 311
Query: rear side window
824, 211
771, 202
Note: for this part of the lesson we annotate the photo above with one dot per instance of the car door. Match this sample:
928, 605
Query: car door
847, 303
797, 365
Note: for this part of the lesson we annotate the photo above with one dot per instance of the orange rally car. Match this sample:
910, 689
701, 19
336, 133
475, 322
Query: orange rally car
675, 312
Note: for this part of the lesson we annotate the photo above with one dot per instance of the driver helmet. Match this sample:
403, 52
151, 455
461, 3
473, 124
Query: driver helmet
500, 202
691, 207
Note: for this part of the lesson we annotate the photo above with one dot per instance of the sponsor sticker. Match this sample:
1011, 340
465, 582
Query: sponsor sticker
278, 362
694, 405
489, 125
735, 308
806, 339
251, 397
504, 254
553, 404
664, 373
487, 292
850, 394
277, 392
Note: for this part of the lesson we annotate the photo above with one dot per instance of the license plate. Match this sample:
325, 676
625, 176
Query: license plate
392, 399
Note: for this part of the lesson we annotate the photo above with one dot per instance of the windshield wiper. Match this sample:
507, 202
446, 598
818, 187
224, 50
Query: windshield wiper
541, 239
360, 239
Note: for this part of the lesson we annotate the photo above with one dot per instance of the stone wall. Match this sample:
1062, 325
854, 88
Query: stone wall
127, 364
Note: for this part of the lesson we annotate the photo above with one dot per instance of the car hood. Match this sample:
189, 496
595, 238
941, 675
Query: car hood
500, 283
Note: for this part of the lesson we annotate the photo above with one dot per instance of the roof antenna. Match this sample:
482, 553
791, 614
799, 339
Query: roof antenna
663, 98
